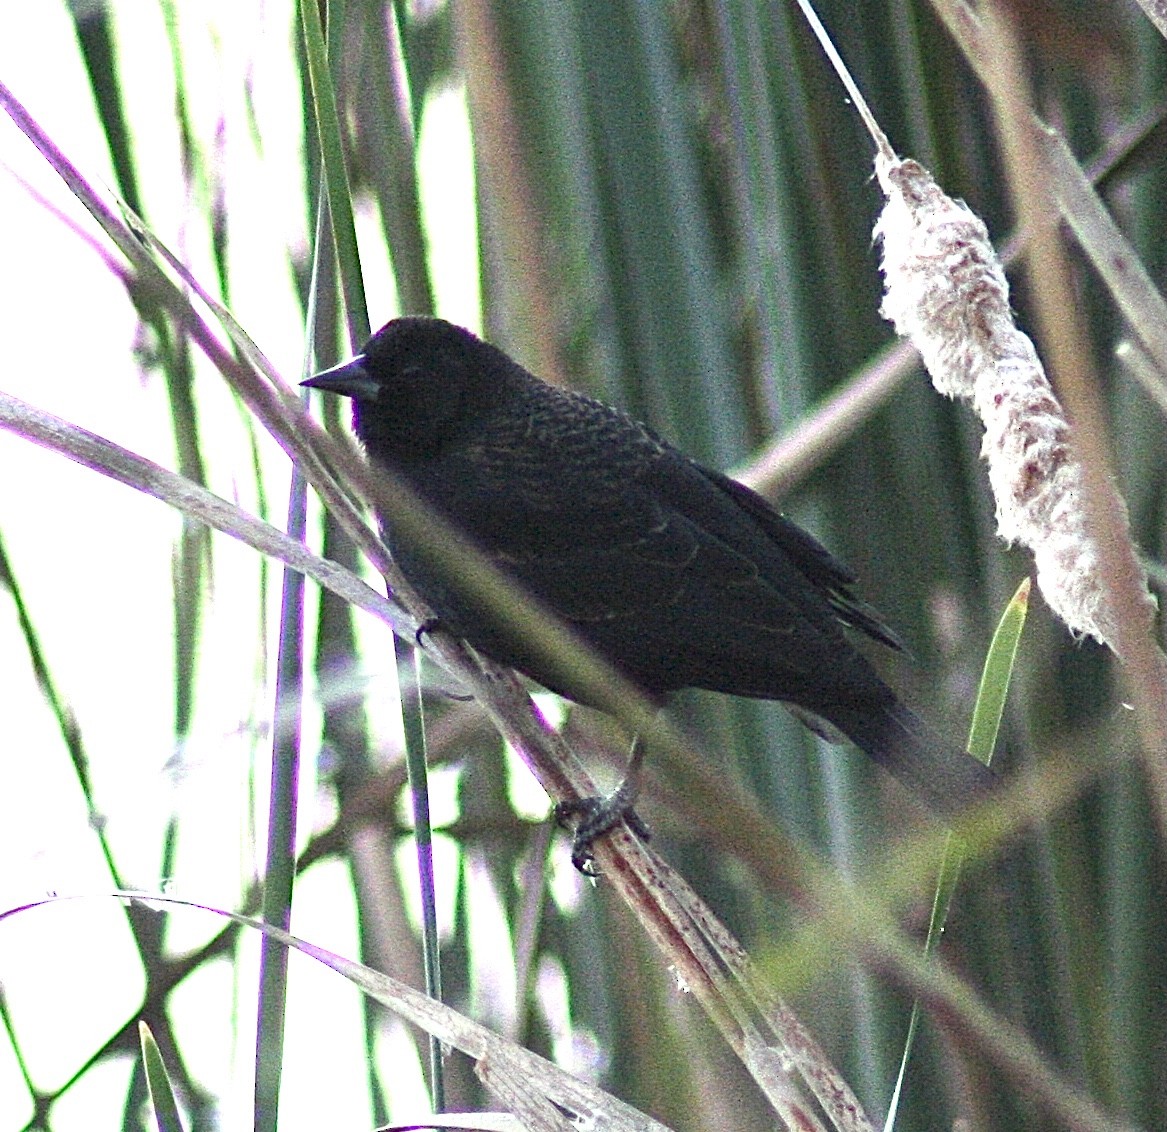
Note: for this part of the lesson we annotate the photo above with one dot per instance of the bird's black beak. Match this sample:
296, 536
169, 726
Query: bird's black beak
349, 379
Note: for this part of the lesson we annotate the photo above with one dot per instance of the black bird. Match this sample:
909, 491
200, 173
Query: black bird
678, 575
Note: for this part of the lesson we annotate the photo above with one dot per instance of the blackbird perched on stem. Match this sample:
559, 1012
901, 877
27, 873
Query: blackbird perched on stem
677, 575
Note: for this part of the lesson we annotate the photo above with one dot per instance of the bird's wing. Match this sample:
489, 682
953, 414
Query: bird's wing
676, 572
821, 568
660, 565
595, 565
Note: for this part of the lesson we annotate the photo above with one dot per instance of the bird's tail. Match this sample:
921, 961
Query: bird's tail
946, 779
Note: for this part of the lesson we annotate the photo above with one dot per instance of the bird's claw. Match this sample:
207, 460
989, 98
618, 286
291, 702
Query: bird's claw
426, 629
592, 818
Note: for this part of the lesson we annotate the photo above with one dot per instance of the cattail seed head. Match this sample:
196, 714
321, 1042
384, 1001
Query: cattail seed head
945, 289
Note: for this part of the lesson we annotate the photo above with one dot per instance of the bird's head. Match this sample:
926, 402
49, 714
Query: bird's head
416, 385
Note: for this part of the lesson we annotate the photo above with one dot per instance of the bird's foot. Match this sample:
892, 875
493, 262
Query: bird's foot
592, 818
427, 629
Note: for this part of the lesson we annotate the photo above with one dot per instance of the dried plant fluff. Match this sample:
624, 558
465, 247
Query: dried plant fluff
947, 292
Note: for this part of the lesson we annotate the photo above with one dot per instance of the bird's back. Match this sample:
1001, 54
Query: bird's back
680, 577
